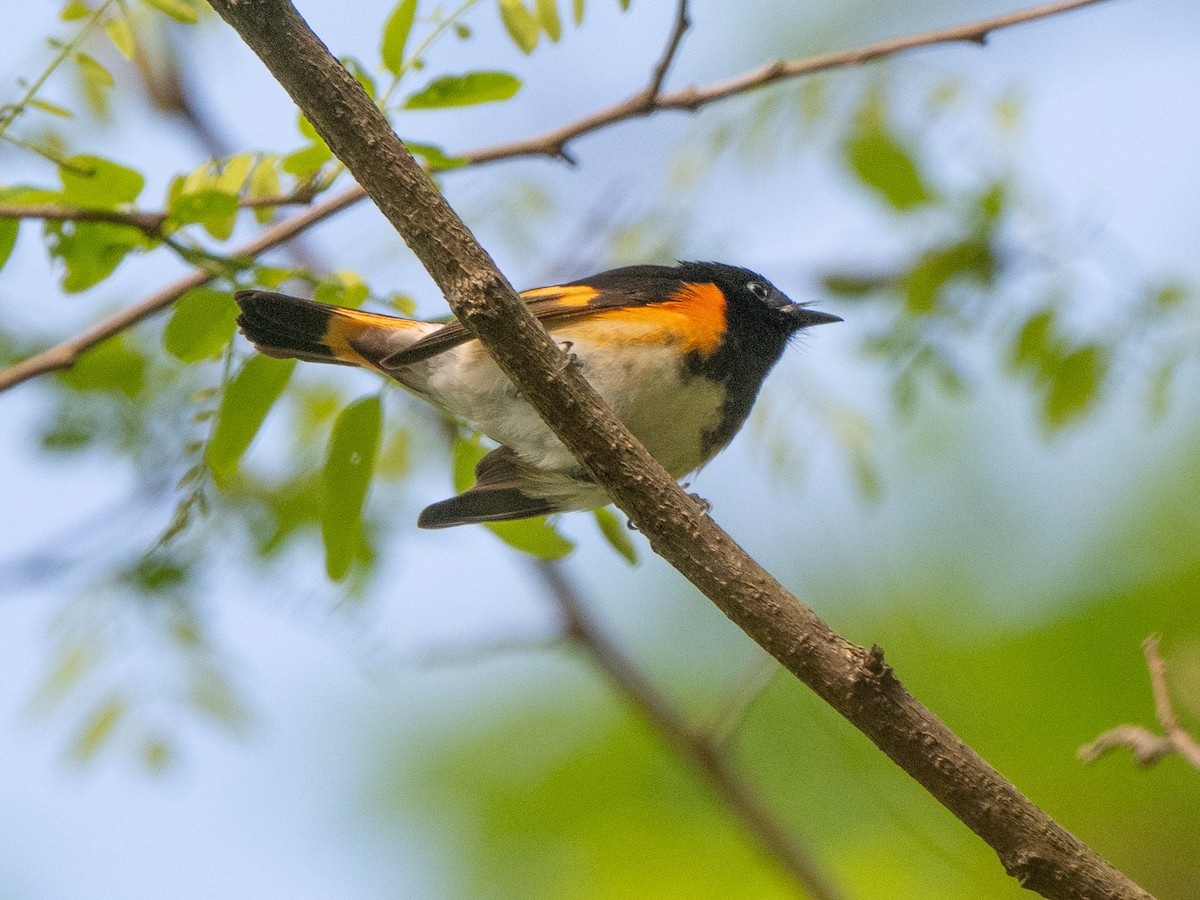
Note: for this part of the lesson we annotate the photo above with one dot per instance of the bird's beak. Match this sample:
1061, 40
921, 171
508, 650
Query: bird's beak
806, 318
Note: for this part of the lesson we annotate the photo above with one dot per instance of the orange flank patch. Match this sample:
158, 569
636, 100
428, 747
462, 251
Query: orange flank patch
694, 318
345, 324
575, 295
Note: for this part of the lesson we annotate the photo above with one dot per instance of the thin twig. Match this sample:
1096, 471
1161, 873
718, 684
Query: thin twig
64, 355
553, 144
659, 75
705, 757
150, 223
1148, 748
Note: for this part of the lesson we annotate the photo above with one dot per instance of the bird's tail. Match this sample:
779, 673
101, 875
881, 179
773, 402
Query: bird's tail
290, 328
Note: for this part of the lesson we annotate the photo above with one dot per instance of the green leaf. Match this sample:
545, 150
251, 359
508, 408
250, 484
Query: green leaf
435, 157
577, 11
547, 11
113, 366
214, 209
74, 11
90, 250
53, 108
353, 446
464, 90
93, 71
624, 5
1036, 346
121, 35
971, 259
234, 171
345, 288
92, 182
533, 536
179, 10
395, 35
1075, 385
97, 729
522, 27
307, 160
200, 326
245, 404
8, 238
616, 534
879, 160
264, 182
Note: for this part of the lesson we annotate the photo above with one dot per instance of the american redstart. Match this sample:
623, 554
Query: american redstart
678, 352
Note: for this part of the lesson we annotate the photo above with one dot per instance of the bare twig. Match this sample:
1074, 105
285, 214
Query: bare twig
553, 144
659, 75
698, 750
1148, 748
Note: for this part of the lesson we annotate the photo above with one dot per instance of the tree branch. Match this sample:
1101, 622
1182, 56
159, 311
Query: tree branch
1035, 849
553, 144
695, 748
1148, 748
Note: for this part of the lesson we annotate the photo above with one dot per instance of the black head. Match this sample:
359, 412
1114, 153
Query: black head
753, 300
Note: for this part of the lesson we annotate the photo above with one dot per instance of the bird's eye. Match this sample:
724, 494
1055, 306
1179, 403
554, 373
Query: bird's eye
758, 289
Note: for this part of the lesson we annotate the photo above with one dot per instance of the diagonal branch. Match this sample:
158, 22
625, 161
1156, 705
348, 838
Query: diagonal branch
696, 748
1034, 849
1148, 748
553, 144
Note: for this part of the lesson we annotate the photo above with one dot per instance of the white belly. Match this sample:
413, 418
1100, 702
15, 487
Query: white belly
666, 407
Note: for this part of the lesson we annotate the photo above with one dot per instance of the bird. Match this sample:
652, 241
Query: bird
678, 352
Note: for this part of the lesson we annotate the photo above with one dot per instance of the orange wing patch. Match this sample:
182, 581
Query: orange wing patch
575, 295
694, 318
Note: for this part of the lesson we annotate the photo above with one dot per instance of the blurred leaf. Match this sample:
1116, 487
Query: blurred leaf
113, 365
74, 10
96, 183
214, 209
881, 162
179, 10
245, 404
201, 324
94, 71
53, 108
1037, 345
395, 35
547, 11
1158, 397
153, 575
850, 286
343, 288
522, 27
8, 238
98, 728
307, 160
395, 459
90, 250
263, 182
615, 533
435, 157
577, 11
1167, 296
353, 446
233, 173
121, 35
970, 259
75, 659
464, 90
1075, 385
210, 693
